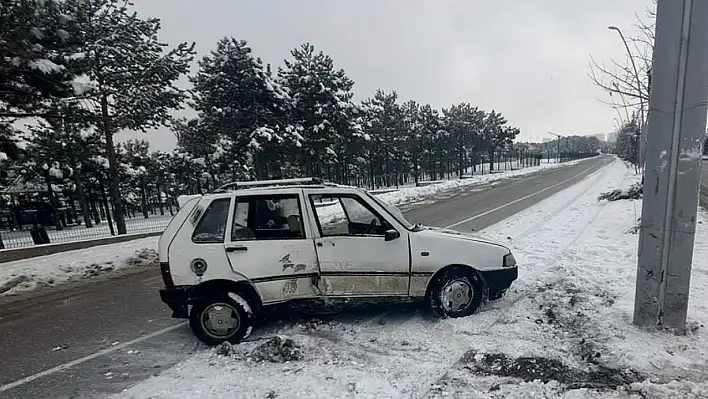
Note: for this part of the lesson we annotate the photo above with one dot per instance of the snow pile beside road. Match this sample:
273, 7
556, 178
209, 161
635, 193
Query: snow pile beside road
574, 303
51, 270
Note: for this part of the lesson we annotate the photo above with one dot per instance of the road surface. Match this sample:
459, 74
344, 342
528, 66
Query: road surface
92, 339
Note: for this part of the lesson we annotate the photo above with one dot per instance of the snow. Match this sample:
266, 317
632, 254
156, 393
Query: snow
238, 299
572, 305
51, 270
102, 161
45, 66
54, 171
81, 84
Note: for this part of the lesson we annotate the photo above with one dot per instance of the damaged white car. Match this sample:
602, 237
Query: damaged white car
226, 256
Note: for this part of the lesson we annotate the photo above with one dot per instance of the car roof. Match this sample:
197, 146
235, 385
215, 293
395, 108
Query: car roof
289, 186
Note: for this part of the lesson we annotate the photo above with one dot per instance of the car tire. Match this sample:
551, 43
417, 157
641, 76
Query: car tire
222, 318
456, 293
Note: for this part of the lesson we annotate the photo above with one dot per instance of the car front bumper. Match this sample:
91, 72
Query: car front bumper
499, 280
177, 298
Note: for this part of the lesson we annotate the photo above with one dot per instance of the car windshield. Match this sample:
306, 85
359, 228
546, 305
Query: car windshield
395, 212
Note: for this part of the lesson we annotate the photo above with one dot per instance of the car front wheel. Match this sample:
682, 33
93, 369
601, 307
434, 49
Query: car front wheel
219, 319
456, 293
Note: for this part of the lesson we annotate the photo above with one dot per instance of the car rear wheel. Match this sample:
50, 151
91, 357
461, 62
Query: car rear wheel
220, 319
456, 293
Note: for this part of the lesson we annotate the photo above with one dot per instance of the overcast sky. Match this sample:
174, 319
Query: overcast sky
525, 58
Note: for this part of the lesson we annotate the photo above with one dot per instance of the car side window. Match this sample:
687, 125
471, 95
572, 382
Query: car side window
268, 218
212, 225
346, 216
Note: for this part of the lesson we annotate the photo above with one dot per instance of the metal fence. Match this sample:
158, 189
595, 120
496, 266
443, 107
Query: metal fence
30, 232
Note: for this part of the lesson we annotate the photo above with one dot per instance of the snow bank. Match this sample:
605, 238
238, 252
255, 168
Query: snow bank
563, 331
51, 270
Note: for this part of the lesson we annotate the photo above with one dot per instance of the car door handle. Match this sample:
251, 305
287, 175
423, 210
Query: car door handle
236, 248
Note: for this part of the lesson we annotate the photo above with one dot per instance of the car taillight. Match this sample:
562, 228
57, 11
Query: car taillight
509, 260
166, 276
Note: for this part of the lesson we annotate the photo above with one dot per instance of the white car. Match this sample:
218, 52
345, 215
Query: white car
227, 255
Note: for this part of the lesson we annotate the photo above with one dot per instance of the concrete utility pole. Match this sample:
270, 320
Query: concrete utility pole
677, 121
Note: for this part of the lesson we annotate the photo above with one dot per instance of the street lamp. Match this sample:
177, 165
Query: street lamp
642, 139
558, 151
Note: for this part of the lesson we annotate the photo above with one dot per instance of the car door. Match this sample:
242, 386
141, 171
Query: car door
355, 258
269, 243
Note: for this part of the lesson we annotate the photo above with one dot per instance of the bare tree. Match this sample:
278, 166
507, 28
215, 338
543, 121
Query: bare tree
627, 82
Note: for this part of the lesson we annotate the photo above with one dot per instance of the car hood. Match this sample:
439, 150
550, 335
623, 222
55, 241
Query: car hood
440, 232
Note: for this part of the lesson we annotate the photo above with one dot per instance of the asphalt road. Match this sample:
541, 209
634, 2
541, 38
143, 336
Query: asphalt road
94, 338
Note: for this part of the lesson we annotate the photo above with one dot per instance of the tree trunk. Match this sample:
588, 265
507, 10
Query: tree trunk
85, 211
491, 160
106, 206
143, 197
112, 168
53, 206
159, 199
415, 167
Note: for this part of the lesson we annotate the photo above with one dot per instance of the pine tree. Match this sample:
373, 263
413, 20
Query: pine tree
242, 110
493, 135
321, 105
383, 126
127, 74
37, 41
137, 158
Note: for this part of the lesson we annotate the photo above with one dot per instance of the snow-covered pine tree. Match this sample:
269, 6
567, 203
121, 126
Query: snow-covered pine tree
464, 124
321, 104
63, 135
159, 176
383, 115
137, 158
493, 134
37, 41
412, 124
129, 74
432, 137
242, 113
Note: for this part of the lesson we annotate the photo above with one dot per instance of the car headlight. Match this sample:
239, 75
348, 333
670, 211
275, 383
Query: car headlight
509, 260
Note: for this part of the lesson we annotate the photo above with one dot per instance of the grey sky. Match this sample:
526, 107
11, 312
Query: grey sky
526, 58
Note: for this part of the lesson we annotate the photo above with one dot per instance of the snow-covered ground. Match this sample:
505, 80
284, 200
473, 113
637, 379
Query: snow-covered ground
24, 275
52, 270
564, 330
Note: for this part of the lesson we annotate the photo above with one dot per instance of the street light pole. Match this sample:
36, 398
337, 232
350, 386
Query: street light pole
677, 121
641, 127
558, 151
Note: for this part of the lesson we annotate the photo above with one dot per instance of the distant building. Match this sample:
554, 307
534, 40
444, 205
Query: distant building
547, 139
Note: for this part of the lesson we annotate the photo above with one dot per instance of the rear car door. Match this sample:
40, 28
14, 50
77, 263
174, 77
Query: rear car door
354, 256
196, 251
269, 242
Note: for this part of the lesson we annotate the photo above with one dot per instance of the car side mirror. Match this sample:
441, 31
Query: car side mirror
390, 235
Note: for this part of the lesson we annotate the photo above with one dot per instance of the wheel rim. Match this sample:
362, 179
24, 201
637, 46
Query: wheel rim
456, 295
220, 320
